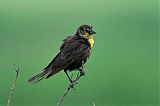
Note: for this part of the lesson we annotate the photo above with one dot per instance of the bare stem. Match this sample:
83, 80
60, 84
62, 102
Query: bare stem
13, 85
71, 85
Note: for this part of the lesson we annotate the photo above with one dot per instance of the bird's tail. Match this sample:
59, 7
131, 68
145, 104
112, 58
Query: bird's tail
39, 76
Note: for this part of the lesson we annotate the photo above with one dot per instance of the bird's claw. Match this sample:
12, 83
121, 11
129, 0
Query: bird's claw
82, 73
72, 84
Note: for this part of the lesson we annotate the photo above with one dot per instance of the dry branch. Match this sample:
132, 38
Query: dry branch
13, 85
71, 85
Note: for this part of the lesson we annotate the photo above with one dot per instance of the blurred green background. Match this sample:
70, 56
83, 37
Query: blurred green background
123, 68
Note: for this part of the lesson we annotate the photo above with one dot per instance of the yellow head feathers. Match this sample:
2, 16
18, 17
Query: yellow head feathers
90, 39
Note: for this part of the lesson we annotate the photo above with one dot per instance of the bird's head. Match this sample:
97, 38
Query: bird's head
85, 31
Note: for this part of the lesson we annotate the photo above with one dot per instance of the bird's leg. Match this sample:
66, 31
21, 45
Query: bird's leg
68, 76
81, 69
72, 82
82, 72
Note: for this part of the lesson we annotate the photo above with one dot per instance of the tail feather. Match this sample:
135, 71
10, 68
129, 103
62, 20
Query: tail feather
45, 74
52, 73
39, 77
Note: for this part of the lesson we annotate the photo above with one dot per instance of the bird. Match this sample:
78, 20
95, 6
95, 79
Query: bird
74, 52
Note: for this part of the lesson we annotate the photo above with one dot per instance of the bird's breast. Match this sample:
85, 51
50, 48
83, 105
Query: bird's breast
91, 41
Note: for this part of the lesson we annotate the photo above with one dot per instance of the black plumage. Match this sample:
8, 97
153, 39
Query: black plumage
74, 52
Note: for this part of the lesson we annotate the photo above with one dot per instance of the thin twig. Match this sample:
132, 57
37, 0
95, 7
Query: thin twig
13, 85
94, 104
71, 85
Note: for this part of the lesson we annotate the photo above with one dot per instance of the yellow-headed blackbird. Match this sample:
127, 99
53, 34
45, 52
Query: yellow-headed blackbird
74, 52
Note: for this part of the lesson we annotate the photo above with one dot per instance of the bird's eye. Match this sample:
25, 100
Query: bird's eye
86, 30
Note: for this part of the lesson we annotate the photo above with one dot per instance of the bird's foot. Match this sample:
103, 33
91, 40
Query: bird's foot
72, 84
82, 72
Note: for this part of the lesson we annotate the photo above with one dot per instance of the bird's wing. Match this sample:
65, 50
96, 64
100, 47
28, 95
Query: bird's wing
67, 55
67, 40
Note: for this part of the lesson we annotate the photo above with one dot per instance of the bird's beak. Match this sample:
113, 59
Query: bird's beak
92, 32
